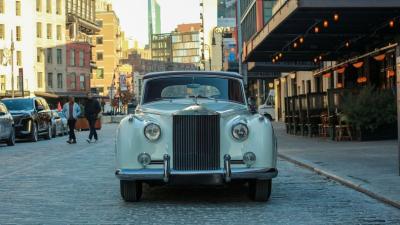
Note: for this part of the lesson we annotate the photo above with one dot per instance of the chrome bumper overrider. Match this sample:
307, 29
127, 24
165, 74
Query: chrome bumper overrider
227, 172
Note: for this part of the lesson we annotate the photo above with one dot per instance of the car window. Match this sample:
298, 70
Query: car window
21, 104
44, 104
220, 88
3, 109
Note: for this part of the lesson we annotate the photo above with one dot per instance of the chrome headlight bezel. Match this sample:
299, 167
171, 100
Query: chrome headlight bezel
152, 128
240, 127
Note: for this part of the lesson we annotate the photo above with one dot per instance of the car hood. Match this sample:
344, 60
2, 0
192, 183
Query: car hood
20, 113
175, 106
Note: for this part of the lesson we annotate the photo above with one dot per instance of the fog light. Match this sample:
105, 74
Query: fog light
144, 159
249, 158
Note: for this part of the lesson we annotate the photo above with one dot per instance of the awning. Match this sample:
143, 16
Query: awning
356, 24
280, 66
61, 94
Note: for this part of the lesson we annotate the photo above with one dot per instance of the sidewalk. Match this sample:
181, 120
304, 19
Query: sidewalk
369, 167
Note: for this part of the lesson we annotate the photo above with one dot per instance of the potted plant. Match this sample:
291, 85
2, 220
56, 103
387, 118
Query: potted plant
372, 113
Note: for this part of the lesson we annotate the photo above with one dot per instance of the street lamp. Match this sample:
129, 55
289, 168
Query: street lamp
113, 86
208, 48
9, 55
222, 31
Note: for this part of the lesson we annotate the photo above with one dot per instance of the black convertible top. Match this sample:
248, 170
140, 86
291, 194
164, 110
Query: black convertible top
191, 73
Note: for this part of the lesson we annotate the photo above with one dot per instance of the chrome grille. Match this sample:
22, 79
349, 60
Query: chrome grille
196, 142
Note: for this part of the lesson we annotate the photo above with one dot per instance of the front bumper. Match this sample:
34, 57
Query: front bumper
215, 176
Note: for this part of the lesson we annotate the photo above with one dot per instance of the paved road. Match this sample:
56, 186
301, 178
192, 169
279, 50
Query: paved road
50, 182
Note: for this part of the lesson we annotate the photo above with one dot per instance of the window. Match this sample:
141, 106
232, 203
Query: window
2, 83
72, 57
39, 55
1, 56
99, 56
99, 23
40, 80
38, 5
58, 7
59, 33
100, 73
49, 31
48, 6
49, 55
82, 83
18, 33
39, 30
2, 34
19, 58
18, 8
59, 56
1, 6
99, 40
59, 80
50, 80
72, 77
81, 58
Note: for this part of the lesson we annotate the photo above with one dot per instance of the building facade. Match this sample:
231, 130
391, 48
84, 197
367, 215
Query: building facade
108, 51
179, 46
81, 25
154, 18
39, 46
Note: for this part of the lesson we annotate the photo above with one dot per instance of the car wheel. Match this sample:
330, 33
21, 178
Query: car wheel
260, 190
34, 135
49, 132
131, 191
11, 139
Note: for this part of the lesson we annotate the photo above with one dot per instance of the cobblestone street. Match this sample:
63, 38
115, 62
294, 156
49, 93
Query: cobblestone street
51, 182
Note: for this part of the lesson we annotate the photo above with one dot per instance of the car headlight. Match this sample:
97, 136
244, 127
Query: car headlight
152, 132
144, 159
240, 131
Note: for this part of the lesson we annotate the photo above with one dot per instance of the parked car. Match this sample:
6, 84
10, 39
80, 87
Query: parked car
7, 132
32, 117
268, 108
195, 128
64, 121
57, 126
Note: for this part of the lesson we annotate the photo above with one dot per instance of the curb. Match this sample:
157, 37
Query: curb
341, 180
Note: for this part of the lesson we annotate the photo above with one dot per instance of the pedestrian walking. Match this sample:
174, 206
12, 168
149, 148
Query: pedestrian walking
71, 111
92, 110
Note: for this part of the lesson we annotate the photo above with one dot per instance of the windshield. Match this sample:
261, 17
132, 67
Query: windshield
19, 104
218, 88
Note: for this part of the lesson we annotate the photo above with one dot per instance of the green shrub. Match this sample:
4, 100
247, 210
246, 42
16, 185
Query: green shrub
370, 108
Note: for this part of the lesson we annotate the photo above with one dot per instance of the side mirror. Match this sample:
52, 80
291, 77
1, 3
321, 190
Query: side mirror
252, 105
40, 108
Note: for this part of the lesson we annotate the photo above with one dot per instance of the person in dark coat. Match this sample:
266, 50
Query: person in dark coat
92, 110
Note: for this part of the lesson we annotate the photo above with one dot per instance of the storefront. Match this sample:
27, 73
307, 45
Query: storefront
355, 46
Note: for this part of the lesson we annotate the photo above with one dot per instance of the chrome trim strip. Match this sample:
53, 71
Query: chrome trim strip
158, 174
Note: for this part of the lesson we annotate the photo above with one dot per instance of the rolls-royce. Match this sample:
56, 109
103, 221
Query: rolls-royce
195, 128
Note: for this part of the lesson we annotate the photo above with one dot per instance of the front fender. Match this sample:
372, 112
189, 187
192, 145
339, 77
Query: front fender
130, 140
261, 140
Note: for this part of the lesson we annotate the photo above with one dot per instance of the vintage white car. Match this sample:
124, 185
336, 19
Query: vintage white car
195, 128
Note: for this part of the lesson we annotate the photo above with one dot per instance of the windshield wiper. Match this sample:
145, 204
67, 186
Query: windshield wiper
202, 97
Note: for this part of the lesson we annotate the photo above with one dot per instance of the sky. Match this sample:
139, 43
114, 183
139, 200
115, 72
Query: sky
133, 16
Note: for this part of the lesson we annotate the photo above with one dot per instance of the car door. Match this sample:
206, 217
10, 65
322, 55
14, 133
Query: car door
8, 120
40, 115
3, 116
46, 113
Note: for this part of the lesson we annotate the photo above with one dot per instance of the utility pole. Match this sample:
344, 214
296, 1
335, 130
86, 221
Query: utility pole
12, 65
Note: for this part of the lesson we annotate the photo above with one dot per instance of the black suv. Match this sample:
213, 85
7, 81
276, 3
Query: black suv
32, 117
